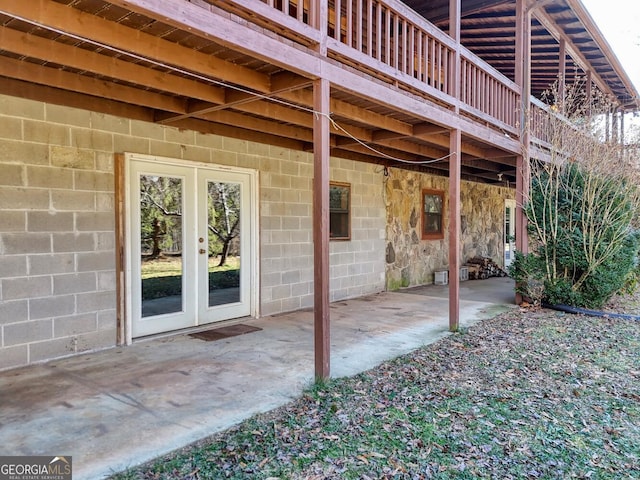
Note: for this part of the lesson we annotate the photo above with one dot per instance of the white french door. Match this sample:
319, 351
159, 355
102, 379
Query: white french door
191, 249
509, 232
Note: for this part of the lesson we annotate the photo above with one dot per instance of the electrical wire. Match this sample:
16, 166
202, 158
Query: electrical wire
221, 83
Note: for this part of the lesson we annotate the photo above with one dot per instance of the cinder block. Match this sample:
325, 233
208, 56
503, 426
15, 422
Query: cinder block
24, 198
94, 261
19, 107
164, 149
13, 266
68, 116
224, 157
46, 132
279, 152
50, 221
91, 139
51, 264
12, 175
14, 356
72, 157
107, 320
271, 308
71, 200
26, 332
49, 349
109, 123
175, 135
93, 181
291, 304
147, 130
104, 162
197, 154
21, 243
95, 222
27, 153
49, 177
281, 181
73, 242
107, 281
249, 161
74, 283
125, 143
96, 340
105, 241
281, 292
11, 221
75, 324
48, 307
235, 145
25, 287
95, 301
105, 202
208, 140
14, 311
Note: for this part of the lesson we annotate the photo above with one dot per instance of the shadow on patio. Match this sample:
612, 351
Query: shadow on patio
124, 406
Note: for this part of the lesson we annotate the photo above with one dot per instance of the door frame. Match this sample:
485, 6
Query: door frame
124, 258
511, 203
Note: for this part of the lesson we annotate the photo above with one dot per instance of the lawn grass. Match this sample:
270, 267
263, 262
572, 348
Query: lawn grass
162, 277
528, 394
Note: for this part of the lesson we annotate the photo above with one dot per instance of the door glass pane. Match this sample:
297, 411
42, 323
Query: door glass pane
161, 244
223, 228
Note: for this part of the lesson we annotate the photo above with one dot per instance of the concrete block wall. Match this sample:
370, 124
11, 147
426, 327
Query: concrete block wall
57, 251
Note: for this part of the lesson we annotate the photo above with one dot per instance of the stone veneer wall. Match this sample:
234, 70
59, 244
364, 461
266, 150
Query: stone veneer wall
413, 261
57, 251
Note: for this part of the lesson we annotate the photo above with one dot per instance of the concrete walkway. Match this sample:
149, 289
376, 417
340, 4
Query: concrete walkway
121, 407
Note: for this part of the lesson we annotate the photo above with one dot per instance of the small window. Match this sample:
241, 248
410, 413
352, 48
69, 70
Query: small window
339, 211
432, 202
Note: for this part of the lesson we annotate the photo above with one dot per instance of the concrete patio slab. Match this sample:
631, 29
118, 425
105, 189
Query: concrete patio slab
124, 406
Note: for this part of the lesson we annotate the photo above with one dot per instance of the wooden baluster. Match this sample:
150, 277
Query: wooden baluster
337, 21
349, 19
370, 28
359, 27
412, 50
378, 31
388, 36
419, 54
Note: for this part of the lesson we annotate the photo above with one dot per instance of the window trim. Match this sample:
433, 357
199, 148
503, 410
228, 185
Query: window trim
431, 236
348, 236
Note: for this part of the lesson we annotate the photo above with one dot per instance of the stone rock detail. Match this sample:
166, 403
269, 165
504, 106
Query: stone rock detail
391, 253
412, 261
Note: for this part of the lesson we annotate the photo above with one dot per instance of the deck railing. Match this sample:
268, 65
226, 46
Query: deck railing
388, 39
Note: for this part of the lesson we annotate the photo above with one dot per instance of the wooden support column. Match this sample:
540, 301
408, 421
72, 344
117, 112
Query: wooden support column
562, 70
589, 92
523, 165
321, 317
455, 145
455, 152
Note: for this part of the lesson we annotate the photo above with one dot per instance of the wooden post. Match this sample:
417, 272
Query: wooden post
562, 72
455, 152
523, 79
322, 344
455, 145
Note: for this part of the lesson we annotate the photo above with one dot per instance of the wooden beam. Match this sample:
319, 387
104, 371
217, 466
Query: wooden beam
54, 77
235, 98
321, 273
56, 96
84, 60
93, 27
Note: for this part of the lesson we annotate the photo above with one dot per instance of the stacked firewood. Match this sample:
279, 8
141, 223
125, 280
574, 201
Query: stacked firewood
484, 267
